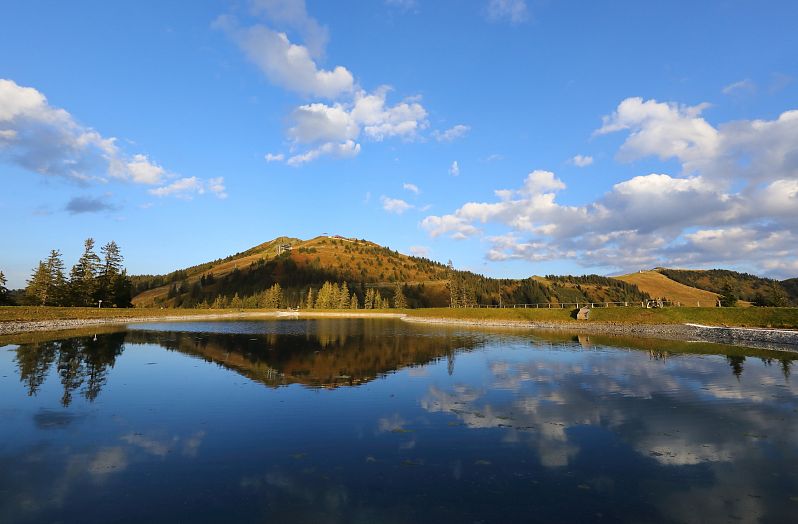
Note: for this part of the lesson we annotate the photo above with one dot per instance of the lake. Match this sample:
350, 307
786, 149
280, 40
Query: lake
374, 420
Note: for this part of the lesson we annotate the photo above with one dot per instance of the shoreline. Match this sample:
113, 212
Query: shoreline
758, 338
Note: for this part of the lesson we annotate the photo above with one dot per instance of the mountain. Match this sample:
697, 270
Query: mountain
656, 284
750, 288
298, 265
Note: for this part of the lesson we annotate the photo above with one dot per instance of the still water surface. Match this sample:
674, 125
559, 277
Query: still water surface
382, 421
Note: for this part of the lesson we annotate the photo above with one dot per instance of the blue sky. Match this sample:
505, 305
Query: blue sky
587, 136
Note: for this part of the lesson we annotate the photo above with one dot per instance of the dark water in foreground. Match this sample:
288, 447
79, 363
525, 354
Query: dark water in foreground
380, 421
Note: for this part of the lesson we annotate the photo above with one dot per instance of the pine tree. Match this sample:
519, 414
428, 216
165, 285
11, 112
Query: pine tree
399, 301
353, 302
343, 296
377, 304
3, 289
236, 302
220, 302
39, 285
122, 290
309, 302
368, 302
82, 277
57, 292
110, 268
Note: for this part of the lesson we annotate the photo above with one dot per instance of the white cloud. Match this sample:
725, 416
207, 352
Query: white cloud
181, 188
336, 127
513, 11
394, 205
735, 203
453, 133
274, 157
746, 150
454, 169
145, 172
294, 14
745, 86
288, 65
48, 140
346, 149
582, 160
186, 188
411, 187
379, 121
322, 123
216, 186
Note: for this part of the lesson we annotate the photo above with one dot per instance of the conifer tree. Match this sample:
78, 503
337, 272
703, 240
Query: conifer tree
343, 296
82, 277
39, 285
353, 302
220, 302
57, 296
399, 301
236, 302
368, 302
309, 302
3, 289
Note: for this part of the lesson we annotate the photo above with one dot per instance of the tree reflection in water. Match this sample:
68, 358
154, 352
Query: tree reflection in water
80, 361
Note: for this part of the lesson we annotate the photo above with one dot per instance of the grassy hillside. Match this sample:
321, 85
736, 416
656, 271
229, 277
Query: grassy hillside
751, 288
658, 285
361, 265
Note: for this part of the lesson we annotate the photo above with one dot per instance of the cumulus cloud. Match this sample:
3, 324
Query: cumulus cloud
513, 11
720, 210
451, 134
749, 151
454, 169
395, 205
351, 114
294, 15
334, 128
47, 140
411, 187
286, 64
582, 160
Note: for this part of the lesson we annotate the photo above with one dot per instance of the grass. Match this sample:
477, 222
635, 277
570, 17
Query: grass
770, 317
541, 315
742, 317
33, 313
658, 285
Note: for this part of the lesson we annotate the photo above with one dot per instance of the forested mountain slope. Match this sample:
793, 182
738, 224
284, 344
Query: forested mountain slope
359, 265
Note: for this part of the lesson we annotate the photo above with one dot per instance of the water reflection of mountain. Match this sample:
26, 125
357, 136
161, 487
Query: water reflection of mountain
321, 354
336, 355
326, 359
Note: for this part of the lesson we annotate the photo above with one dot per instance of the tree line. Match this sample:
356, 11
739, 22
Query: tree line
91, 280
330, 295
